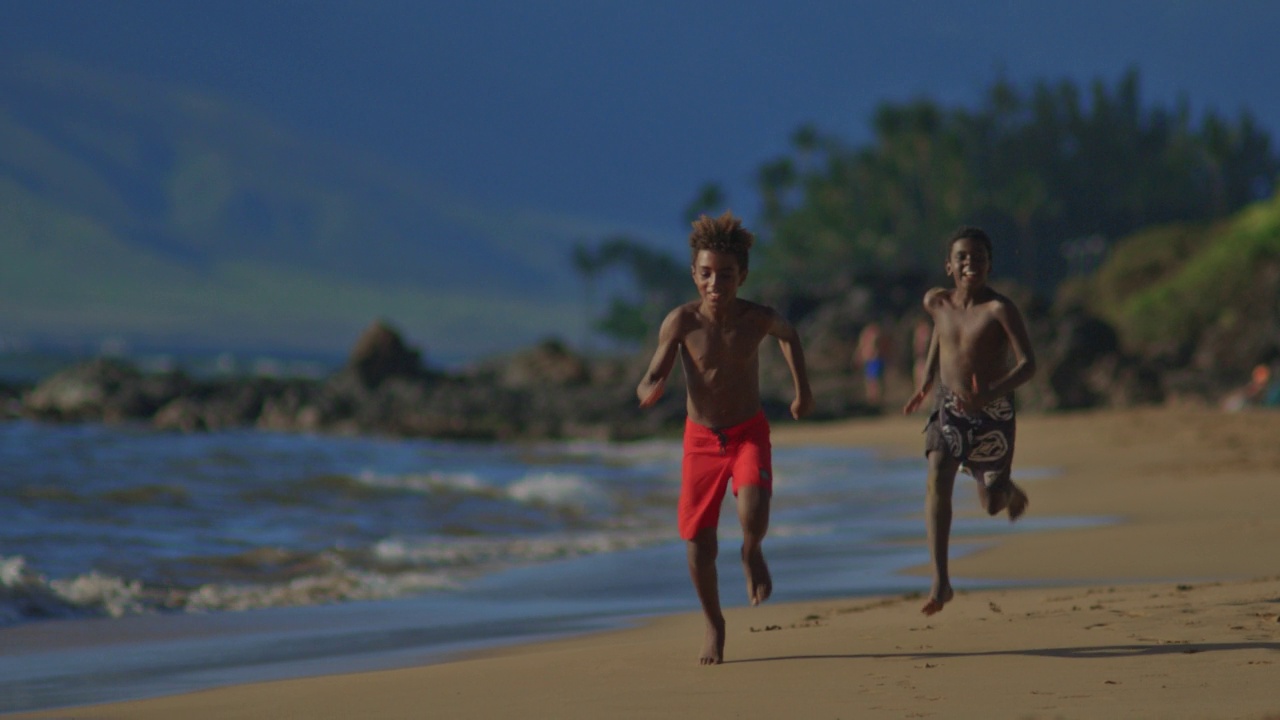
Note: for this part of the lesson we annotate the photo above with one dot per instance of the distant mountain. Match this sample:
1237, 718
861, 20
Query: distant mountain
161, 215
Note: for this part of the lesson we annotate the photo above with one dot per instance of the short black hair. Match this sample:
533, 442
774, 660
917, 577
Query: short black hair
971, 232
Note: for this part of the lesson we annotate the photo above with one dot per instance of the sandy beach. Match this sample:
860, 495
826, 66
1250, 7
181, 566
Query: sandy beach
1171, 610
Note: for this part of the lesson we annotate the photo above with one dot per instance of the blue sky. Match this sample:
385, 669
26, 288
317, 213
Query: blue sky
614, 113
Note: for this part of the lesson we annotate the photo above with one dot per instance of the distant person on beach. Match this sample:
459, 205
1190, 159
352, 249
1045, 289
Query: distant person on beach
870, 356
975, 331
726, 435
1255, 392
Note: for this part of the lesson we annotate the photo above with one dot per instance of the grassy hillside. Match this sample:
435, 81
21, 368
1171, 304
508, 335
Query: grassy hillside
163, 215
1211, 291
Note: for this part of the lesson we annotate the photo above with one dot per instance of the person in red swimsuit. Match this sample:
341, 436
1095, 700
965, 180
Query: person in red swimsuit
717, 339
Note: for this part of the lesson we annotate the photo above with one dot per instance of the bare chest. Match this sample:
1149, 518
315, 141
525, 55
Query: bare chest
970, 329
713, 350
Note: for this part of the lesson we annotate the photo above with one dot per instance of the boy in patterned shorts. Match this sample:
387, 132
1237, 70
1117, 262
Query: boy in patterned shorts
975, 331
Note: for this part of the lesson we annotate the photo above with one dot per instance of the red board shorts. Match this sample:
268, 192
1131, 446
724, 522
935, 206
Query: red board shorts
711, 457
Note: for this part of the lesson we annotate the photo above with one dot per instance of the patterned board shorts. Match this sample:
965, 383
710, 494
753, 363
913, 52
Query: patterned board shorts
983, 443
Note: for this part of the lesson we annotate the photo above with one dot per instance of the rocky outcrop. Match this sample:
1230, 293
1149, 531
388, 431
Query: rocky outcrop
11, 400
545, 392
1082, 365
380, 354
103, 389
548, 363
549, 391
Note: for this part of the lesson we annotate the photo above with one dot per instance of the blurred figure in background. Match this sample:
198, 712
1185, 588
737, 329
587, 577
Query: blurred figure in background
870, 357
1258, 391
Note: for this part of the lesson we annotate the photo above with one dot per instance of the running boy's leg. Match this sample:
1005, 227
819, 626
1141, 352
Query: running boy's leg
702, 551
937, 508
705, 476
753, 514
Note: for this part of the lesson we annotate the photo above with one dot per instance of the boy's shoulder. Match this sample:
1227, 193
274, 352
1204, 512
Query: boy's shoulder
754, 314
689, 308
935, 296
997, 300
682, 318
747, 307
940, 297
689, 314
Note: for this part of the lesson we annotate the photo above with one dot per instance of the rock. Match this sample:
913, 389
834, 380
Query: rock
543, 392
217, 406
380, 353
1086, 368
548, 363
183, 414
103, 389
11, 400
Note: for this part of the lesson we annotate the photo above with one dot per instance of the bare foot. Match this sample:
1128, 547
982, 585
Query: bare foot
1017, 502
1003, 495
759, 582
713, 646
937, 599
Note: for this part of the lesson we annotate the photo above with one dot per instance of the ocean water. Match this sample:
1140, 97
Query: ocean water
137, 563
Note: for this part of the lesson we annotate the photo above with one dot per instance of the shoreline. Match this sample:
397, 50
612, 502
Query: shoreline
1169, 612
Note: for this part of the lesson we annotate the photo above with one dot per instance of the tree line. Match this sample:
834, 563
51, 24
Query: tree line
1054, 171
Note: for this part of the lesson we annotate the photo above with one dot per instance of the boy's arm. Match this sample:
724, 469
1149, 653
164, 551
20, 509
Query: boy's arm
930, 376
932, 299
1024, 358
793, 353
664, 358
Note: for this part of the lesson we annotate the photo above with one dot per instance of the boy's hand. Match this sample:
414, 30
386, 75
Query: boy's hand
915, 402
971, 400
654, 394
801, 406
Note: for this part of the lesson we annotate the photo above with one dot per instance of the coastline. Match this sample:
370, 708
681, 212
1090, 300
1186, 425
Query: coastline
1170, 611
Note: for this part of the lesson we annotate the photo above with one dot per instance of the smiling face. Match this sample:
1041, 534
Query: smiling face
717, 277
969, 263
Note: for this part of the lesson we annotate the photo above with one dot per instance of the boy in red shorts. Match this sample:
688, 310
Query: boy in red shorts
726, 434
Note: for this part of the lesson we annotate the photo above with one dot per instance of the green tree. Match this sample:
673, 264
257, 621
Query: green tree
710, 199
1039, 167
657, 282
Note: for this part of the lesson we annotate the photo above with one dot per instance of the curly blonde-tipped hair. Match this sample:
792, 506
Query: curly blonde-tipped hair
724, 234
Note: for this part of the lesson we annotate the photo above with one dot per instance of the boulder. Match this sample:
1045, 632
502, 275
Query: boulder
1086, 367
549, 362
102, 389
380, 353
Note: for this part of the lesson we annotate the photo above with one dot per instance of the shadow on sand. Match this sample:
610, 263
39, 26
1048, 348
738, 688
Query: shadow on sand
1075, 653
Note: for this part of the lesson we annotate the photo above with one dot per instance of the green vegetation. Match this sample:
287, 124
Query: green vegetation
1168, 286
164, 216
660, 283
1038, 169
1056, 173
167, 217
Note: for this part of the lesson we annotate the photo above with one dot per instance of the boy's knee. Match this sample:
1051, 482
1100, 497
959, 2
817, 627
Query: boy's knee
940, 491
753, 493
942, 472
753, 509
704, 547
